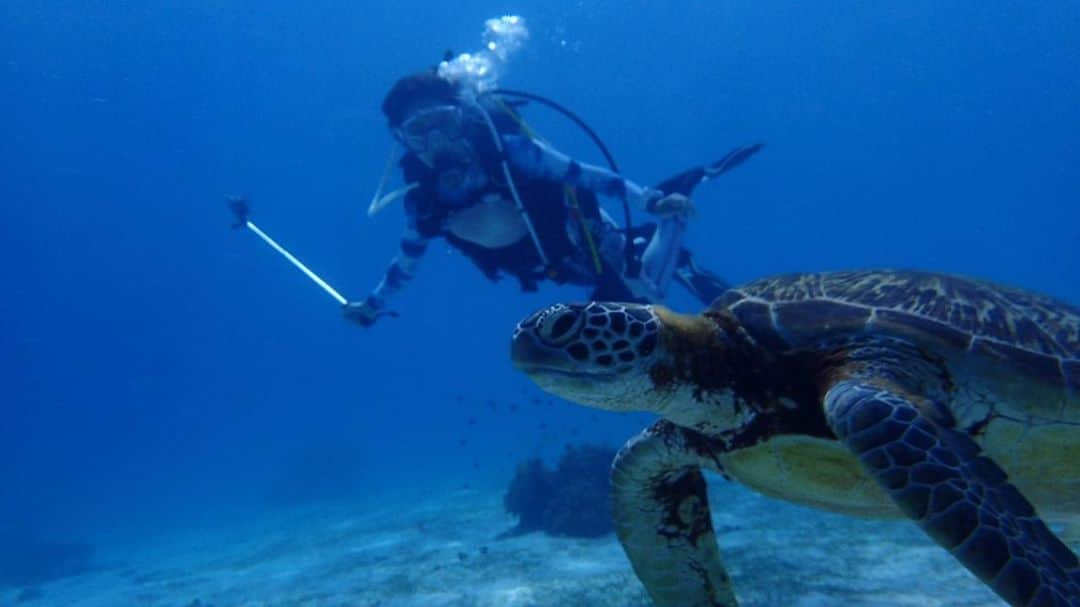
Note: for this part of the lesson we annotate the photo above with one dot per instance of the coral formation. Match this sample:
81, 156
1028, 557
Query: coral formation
573, 500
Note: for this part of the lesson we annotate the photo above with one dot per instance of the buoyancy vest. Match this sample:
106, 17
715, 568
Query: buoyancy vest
543, 200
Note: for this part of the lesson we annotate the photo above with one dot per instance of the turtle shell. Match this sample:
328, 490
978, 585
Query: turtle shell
948, 315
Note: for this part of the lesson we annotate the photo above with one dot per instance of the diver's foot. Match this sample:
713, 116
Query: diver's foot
700, 282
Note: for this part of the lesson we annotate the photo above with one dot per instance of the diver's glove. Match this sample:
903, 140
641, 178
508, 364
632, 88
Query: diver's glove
366, 312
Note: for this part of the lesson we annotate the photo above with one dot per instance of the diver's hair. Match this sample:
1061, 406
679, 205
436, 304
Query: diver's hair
414, 88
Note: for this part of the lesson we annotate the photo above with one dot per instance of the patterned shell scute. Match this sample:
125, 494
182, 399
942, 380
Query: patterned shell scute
959, 312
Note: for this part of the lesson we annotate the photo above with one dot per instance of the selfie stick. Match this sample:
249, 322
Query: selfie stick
242, 209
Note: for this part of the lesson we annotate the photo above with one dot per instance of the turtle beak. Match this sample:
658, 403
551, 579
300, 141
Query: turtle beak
554, 371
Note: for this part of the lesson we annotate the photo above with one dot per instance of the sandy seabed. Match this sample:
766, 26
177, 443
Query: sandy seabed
443, 552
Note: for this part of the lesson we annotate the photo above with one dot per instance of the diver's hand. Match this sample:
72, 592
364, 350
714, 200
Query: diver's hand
672, 205
365, 313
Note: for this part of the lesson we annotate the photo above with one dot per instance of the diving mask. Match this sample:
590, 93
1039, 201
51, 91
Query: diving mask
431, 130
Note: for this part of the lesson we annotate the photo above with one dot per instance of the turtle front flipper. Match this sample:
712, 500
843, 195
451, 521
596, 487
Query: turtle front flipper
663, 521
959, 497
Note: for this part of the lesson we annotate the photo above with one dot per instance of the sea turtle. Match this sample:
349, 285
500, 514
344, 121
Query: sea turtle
951, 401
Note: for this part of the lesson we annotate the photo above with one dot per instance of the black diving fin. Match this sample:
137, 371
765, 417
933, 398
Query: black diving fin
701, 283
685, 182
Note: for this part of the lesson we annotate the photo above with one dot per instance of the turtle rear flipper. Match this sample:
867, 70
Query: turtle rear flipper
662, 518
962, 499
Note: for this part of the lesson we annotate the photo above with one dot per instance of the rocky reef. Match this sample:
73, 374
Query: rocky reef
573, 500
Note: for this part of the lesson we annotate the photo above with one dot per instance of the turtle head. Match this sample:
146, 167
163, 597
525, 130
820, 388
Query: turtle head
615, 356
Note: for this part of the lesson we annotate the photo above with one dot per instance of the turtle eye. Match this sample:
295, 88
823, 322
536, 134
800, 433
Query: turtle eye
559, 325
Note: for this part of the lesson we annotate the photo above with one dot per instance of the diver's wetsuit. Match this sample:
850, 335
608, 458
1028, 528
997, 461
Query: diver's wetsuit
473, 209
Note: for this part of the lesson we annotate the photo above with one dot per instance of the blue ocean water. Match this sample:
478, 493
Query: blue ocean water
159, 367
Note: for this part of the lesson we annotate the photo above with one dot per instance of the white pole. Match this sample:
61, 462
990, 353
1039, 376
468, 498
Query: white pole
296, 262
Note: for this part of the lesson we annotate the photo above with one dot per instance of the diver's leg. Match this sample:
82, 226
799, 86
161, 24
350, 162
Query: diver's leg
661, 256
662, 244
617, 282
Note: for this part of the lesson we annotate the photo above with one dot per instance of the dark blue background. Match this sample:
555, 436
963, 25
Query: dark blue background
159, 366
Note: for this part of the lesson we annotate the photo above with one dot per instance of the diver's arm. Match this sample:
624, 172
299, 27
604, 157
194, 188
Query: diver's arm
541, 160
403, 267
401, 270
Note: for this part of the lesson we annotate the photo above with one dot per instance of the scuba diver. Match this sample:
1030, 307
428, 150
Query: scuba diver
478, 177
